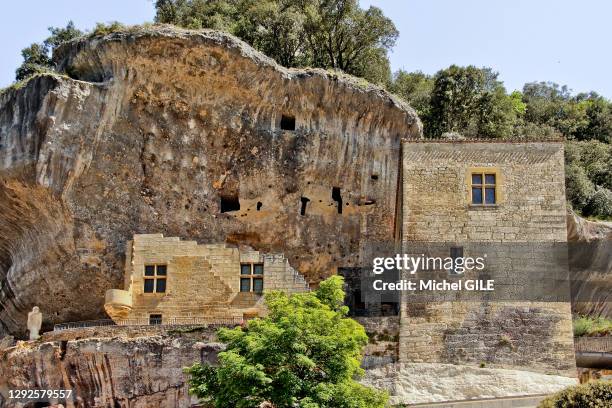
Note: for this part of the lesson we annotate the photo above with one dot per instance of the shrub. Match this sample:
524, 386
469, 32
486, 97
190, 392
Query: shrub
592, 326
592, 395
102, 29
579, 189
600, 204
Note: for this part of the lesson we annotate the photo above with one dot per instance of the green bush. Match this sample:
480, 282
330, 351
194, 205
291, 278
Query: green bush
591, 395
592, 326
600, 204
102, 29
578, 188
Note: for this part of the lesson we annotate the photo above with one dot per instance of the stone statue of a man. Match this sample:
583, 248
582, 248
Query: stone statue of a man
34, 323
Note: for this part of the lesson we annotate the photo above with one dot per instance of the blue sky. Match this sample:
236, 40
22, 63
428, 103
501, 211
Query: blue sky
568, 42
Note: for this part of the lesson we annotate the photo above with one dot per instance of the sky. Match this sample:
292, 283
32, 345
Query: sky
564, 41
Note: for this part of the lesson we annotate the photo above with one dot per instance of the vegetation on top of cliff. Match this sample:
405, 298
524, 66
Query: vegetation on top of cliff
325, 34
37, 57
305, 353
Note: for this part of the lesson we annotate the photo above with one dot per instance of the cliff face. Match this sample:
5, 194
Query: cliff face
170, 131
590, 246
108, 372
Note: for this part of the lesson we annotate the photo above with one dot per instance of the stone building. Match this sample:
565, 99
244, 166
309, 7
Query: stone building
506, 199
169, 281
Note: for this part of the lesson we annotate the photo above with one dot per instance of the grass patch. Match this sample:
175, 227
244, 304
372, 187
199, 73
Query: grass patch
592, 326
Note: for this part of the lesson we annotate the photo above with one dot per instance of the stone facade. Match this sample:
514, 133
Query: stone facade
199, 282
525, 225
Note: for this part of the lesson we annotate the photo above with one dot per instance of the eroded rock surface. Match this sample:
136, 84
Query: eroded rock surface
108, 372
590, 260
413, 383
163, 130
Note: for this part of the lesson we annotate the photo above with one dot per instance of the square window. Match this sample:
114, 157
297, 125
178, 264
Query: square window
287, 122
161, 286
155, 319
484, 186
245, 269
161, 270
258, 269
245, 284
149, 284
476, 195
258, 285
490, 195
149, 270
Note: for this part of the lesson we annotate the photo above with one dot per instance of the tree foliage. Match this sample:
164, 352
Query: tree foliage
470, 101
37, 57
336, 34
588, 177
305, 353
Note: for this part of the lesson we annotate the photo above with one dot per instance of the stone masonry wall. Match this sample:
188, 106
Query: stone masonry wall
201, 280
530, 209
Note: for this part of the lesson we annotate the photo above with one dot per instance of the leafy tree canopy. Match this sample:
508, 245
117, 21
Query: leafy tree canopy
336, 34
37, 57
305, 353
470, 101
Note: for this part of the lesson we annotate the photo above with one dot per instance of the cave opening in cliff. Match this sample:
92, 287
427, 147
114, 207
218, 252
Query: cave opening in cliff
287, 122
304, 201
337, 197
259, 205
230, 203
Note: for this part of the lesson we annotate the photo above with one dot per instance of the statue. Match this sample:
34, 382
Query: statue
34, 323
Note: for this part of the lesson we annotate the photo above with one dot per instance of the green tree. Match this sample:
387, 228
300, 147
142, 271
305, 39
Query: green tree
336, 34
471, 101
37, 57
305, 353
415, 88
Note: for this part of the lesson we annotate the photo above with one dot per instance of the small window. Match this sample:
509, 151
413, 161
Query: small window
287, 122
258, 285
484, 188
251, 277
304, 201
155, 319
258, 269
155, 278
230, 203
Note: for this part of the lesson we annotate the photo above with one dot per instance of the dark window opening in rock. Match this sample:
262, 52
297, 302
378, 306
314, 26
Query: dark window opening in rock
287, 122
259, 204
230, 203
155, 319
337, 197
374, 177
389, 308
304, 203
63, 347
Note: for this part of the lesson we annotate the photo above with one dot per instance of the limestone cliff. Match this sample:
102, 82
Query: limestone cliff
590, 249
141, 370
191, 134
